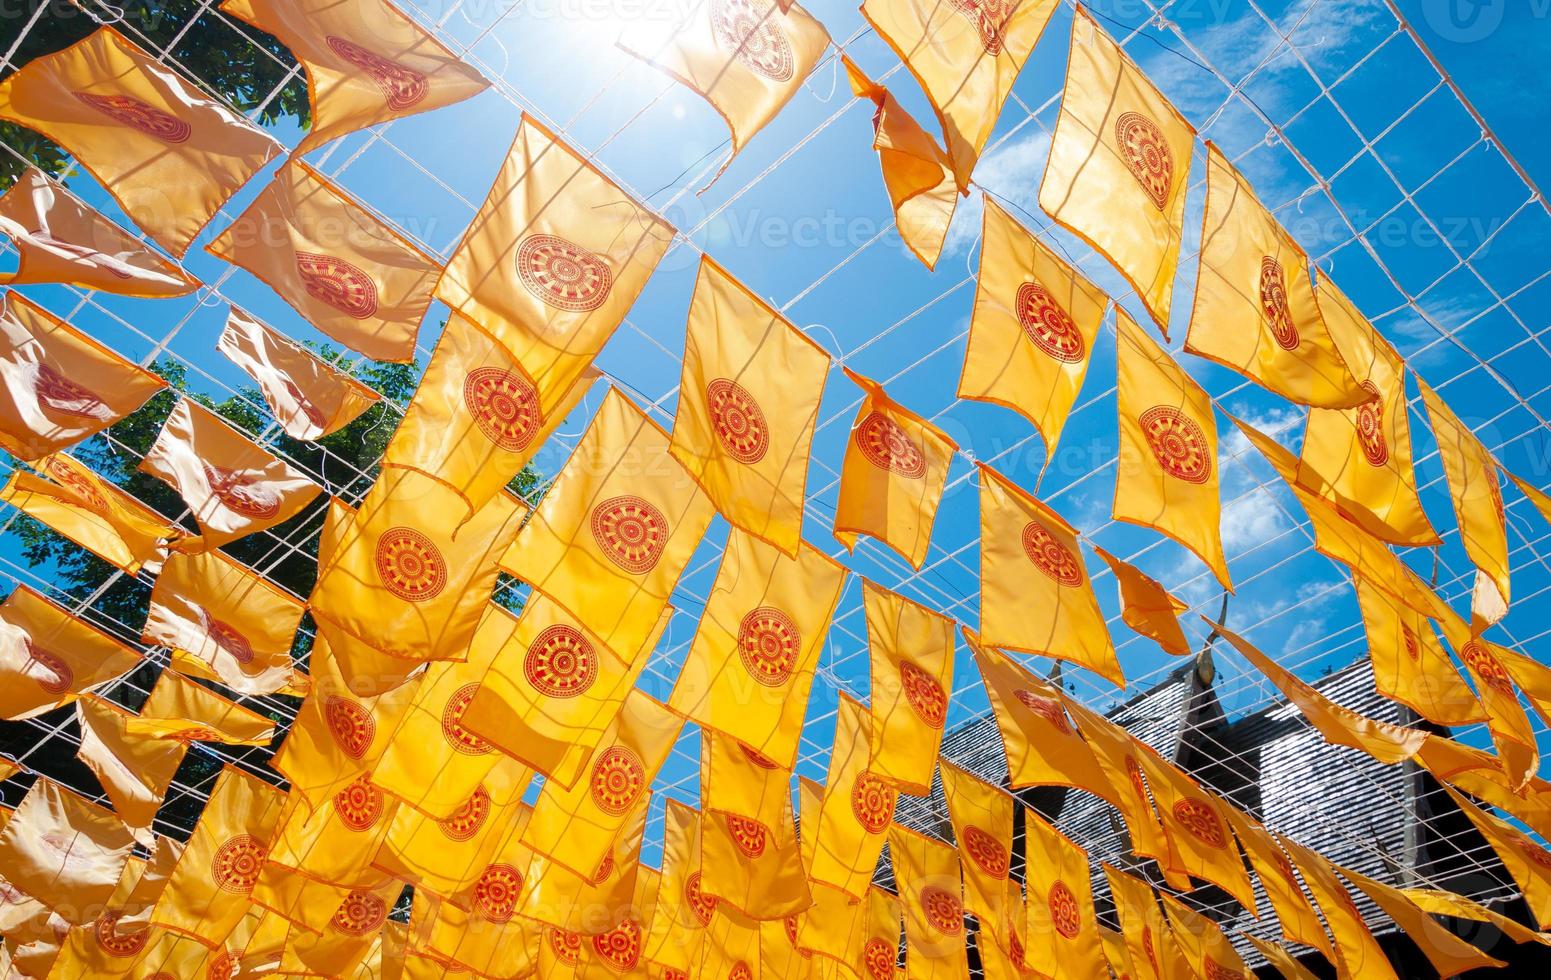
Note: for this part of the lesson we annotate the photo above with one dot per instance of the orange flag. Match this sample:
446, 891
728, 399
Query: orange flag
552, 261
1449, 954
1167, 478
966, 57
896, 465
752, 867
233, 486
1255, 311
134, 771
64, 852
1360, 458
47, 655
615, 529
1118, 163
1201, 841
335, 842
847, 838
587, 904
91, 512
1281, 959
170, 156
1032, 331
1528, 863
1358, 953
60, 238
446, 857
346, 940
982, 817
1154, 953
910, 650
1206, 948
1036, 596
926, 872
1147, 606
736, 779
1296, 915
731, 948
741, 435
1537, 497
309, 398
880, 937
1517, 747
57, 385
751, 665
1409, 664
182, 710
1062, 923
1480, 773
366, 62
683, 909
1447, 903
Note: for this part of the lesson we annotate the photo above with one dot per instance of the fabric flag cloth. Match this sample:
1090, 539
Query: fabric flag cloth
475, 420
61, 239
1207, 950
346, 940
181, 710
910, 652
1036, 596
736, 779
747, 58
1360, 458
751, 665
1478, 505
891, 481
1358, 953
351, 274
1448, 903
591, 904
1118, 166
335, 842
1255, 310
47, 655
926, 872
93, 513
1449, 954
615, 530
57, 385
966, 57
366, 62
1538, 498
310, 399
916, 172
1062, 923
1526, 862
553, 261
1154, 953
1168, 478
982, 818
1281, 959
1480, 773
1512, 734
752, 867
855, 812
683, 910
64, 851
446, 857
233, 486
880, 937
1201, 841
169, 156
1032, 331
1299, 922
1409, 664
1147, 606
748, 405
1115, 952
731, 948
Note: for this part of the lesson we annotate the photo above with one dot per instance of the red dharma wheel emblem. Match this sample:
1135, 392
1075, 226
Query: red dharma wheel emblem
401, 87
768, 645
789, 924
1147, 947
989, 17
758, 759
886, 445
1370, 427
1147, 155
1134, 774
359, 805
631, 532
58, 394
227, 637
463, 741
410, 565
504, 405
1535, 853
1051, 556
240, 493
76, 484
51, 672
562, 274
235, 866
1047, 708
738, 421
750, 29
1047, 325
304, 404
496, 892
359, 914
748, 835
618, 777
466, 820
1487, 667
620, 947
130, 111
740, 971
881, 958
337, 284
1216, 971
1065, 914
1198, 817
925, 695
222, 966
115, 943
986, 851
872, 802
1177, 442
567, 946
605, 868
701, 905
351, 725
944, 911
1408, 639
1273, 303
560, 662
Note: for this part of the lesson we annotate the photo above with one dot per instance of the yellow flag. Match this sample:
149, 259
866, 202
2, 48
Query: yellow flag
63, 851
1528, 863
1358, 953
366, 62
310, 399
170, 156
731, 948
1205, 946
736, 779
445, 857
856, 810
588, 904
60, 238
1062, 923
926, 872
1449, 954
346, 940
1115, 952
207, 608
1447, 903
910, 648
91, 512
1299, 922
1480, 773
880, 942
1167, 478
751, 665
1478, 505
748, 402
829, 933
1360, 458
1281, 959
683, 909
552, 261
47, 656
966, 57
1531, 676
1147, 606
615, 530
1514, 737
335, 843
752, 867
1155, 955
982, 817
134, 771
1036, 596
485, 937
1197, 826
1409, 664
182, 710
350, 274
1118, 166
896, 465
916, 172
1537, 497
618, 951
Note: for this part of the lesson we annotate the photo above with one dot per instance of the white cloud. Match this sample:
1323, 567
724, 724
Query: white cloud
1011, 172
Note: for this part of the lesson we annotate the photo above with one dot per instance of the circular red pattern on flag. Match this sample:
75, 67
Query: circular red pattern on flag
790, 925
740, 971
1535, 854
359, 805
1177, 442
988, 17
410, 565
227, 637
1487, 667
401, 86
305, 405
567, 946
236, 864
241, 494
1146, 154
925, 695
872, 802
1016, 952
57, 393
748, 835
700, 904
986, 851
222, 966
750, 30
757, 758
1273, 303
880, 959
337, 284
1216, 971
1198, 817
605, 868
560, 662
496, 892
359, 914
76, 484
465, 821
1051, 556
768, 645
504, 405
620, 947
1065, 914
56, 675
1134, 774
351, 725
1152, 955
463, 741
631, 532
562, 274
669, 973
1047, 708
1370, 427
1047, 325
738, 421
944, 911
115, 943
618, 777
1409, 640
131, 112
886, 445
